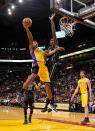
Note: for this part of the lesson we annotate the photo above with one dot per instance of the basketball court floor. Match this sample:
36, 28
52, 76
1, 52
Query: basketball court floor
11, 119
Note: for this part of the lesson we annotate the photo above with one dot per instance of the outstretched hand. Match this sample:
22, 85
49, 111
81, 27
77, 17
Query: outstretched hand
52, 16
24, 25
60, 48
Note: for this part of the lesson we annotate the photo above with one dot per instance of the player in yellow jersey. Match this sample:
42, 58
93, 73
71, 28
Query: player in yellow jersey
86, 94
39, 68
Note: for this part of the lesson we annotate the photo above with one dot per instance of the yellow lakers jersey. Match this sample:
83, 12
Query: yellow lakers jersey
83, 85
38, 57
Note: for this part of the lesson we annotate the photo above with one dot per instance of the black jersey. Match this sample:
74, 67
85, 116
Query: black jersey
52, 62
30, 89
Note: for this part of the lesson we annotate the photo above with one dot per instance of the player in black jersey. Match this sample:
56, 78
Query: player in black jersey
52, 62
29, 99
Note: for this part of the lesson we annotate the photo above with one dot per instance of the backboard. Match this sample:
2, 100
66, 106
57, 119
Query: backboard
81, 10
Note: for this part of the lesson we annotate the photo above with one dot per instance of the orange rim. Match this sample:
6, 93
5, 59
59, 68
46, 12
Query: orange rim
62, 18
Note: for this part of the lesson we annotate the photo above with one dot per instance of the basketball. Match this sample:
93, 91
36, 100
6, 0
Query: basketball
27, 22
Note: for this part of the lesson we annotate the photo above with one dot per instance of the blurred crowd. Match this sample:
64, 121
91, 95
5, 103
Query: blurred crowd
64, 84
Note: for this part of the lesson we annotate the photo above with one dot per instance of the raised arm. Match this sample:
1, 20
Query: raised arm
90, 90
30, 37
53, 30
54, 51
76, 91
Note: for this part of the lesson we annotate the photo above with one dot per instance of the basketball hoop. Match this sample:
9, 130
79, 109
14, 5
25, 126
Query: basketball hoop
67, 25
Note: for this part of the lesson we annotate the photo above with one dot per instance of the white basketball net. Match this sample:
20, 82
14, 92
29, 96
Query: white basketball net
68, 26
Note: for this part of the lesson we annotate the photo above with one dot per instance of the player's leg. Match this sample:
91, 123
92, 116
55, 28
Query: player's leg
31, 105
85, 100
48, 102
44, 77
46, 105
86, 120
25, 108
29, 80
31, 112
48, 91
86, 111
50, 96
31, 77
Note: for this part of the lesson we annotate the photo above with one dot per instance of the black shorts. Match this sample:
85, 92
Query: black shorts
28, 100
35, 69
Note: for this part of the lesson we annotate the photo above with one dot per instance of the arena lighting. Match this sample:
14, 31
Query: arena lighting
61, 57
84, 44
58, 1
70, 67
9, 13
9, 10
22, 48
79, 46
10, 71
16, 61
20, 1
77, 53
12, 7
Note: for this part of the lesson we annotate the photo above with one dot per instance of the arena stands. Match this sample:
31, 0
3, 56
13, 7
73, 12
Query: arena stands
64, 84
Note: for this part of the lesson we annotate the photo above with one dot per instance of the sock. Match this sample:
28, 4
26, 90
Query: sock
25, 114
30, 117
25, 117
31, 112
